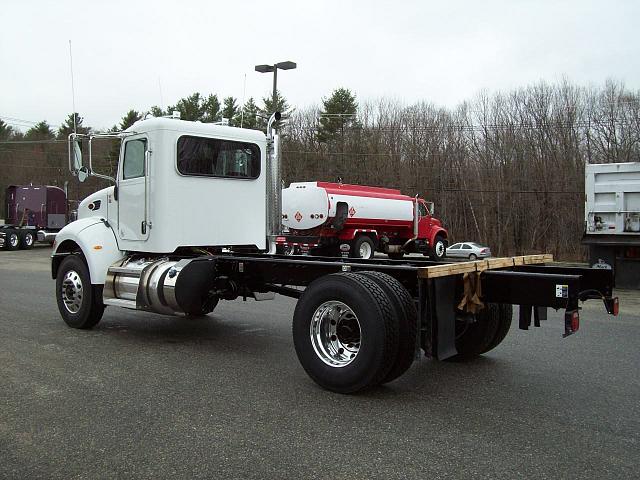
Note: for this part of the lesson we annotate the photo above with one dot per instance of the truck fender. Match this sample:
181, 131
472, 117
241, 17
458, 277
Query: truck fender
437, 231
94, 238
349, 234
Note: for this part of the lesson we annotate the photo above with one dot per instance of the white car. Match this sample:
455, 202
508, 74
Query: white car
470, 250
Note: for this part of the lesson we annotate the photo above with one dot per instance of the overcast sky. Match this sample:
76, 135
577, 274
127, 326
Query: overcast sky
135, 54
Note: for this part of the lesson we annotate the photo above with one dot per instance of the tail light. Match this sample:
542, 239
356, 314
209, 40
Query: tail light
611, 304
571, 322
280, 239
484, 250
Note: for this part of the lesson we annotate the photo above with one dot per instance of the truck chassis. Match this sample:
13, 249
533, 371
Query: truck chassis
360, 323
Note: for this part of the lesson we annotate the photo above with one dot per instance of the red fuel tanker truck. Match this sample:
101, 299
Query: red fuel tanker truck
327, 218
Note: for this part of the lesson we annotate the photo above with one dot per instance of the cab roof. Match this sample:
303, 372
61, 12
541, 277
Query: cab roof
197, 128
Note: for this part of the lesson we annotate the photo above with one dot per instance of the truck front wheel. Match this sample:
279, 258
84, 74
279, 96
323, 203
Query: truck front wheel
12, 241
79, 302
363, 247
345, 332
439, 249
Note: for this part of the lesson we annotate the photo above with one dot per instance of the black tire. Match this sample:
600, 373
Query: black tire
407, 322
27, 239
505, 317
473, 257
474, 339
378, 328
439, 248
359, 242
89, 297
12, 240
396, 256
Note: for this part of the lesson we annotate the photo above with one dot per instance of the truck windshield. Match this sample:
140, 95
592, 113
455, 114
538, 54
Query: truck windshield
213, 157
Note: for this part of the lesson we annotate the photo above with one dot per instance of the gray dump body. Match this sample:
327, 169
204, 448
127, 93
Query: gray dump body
612, 219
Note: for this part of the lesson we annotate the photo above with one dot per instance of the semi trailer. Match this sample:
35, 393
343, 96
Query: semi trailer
193, 219
332, 218
34, 213
612, 220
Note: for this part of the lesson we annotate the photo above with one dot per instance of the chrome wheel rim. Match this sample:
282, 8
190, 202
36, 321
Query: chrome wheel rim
13, 240
72, 291
365, 250
28, 239
439, 249
335, 334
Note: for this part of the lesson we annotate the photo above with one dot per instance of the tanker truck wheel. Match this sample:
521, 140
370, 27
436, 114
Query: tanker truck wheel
363, 247
345, 332
439, 249
407, 322
79, 302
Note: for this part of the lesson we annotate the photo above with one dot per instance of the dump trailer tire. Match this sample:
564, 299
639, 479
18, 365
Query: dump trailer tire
12, 240
505, 317
345, 332
27, 239
473, 339
407, 326
439, 249
79, 302
363, 247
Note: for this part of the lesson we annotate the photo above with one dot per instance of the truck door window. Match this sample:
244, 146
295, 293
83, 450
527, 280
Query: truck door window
422, 210
212, 157
133, 166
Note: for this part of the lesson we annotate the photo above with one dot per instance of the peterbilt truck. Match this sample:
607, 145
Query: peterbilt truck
192, 220
333, 217
34, 212
612, 219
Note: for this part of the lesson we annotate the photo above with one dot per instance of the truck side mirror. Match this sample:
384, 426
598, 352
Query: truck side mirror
82, 173
77, 157
430, 208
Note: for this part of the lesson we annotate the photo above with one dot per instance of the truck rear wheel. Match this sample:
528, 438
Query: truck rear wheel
27, 239
345, 332
407, 322
475, 338
79, 302
363, 247
505, 317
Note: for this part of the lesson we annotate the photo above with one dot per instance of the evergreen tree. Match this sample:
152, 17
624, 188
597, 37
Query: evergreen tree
338, 114
129, 119
157, 111
249, 112
270, 106
6, 131
190, 108
211, 109
230, 110
40, 131
67, 127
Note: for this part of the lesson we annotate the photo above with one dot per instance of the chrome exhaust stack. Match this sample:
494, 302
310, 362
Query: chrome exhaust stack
274, 184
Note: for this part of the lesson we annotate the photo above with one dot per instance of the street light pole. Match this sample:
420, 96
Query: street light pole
274, 68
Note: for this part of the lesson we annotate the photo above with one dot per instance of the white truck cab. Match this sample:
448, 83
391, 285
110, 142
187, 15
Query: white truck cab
172, 179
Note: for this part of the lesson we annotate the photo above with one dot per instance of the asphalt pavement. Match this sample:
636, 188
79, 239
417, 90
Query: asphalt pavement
148, 396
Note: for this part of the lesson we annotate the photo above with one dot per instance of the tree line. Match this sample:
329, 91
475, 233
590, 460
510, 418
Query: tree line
505, 169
